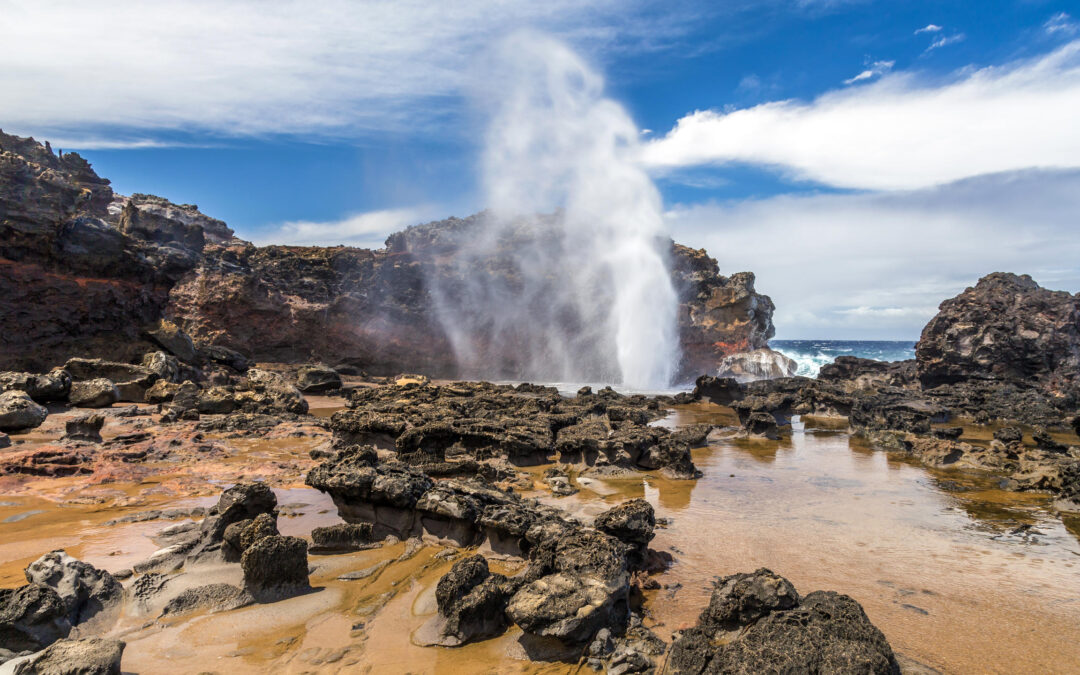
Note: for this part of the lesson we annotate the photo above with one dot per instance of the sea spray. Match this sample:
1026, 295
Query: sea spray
583, 291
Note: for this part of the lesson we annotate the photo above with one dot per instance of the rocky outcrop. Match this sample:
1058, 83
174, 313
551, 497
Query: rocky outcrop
85, 590
759, 364
275, 567
85, 272
718, 316
32, 617
1007, 329
757, 623
89, 656
18, 412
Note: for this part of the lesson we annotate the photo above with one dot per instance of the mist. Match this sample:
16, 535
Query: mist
565, 277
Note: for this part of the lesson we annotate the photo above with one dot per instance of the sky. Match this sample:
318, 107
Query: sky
866, 159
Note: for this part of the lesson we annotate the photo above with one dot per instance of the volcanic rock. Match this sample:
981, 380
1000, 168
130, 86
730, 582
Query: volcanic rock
173, 340
32, 617
85, 428
85, 590
316, 379
18, 412
52, 386
757, 623
1005, 328
241, 535
97, 393
342, 537
276, 567
760, 364
89, 656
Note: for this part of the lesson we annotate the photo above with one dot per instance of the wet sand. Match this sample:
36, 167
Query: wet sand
960, 576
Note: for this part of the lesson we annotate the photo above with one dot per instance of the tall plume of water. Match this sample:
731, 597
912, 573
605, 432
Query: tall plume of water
566, 276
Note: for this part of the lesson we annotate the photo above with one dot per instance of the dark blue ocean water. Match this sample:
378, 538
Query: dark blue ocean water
813, 354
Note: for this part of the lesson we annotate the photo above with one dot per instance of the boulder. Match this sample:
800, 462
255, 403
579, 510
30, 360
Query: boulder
316, 379
84, 428
472, 602
90, 656
265, 392
93, 369
759, 364
241, 535
164, 366
762, 425
757, 623
342, 537
226, 357
566, 607
719, 390
276, 567
98, 393
18, 412
169, 337
1005, 328
85, 590
52, 386
32, 617
631, 522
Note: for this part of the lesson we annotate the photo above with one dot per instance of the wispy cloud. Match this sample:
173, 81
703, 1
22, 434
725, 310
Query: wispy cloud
945, 41
240, 67
874, 70
1061, 24
929, 28
899, 132
875, 266
365, 230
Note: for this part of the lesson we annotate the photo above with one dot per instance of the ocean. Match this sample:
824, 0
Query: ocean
811, 355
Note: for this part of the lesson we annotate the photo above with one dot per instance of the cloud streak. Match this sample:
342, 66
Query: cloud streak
90, 72
875, 266
898, 133
364, 230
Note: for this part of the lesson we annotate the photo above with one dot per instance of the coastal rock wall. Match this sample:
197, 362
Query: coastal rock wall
85, 272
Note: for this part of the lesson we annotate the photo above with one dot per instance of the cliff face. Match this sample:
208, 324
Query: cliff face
1005, 328
83, 272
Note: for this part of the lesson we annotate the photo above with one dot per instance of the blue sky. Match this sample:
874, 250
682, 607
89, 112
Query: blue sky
866, 159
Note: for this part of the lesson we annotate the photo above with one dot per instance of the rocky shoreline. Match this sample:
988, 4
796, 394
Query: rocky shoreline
154, 352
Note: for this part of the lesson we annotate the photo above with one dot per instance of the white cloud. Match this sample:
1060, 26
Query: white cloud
929, 28
1061, 23
876, 68
93, 71
946, 40
876, 266
365, 230
899, 132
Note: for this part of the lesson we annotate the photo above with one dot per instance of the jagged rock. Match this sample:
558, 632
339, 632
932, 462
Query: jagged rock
565, 607
85, 590
343, 537
173, 340
740, 599
32, 617
858, 373
85, 428
18, 412
97, 393
241, 535
52, 386
276, 567
632, 522
759, 364
762, 425
226, 357
757, 623
89, 656
719, 390
161, 392
472, 602
1006, 328
319, 378
164, 366
211, 597
265, 391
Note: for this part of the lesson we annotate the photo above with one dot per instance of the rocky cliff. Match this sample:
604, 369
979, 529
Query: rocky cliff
85, 272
